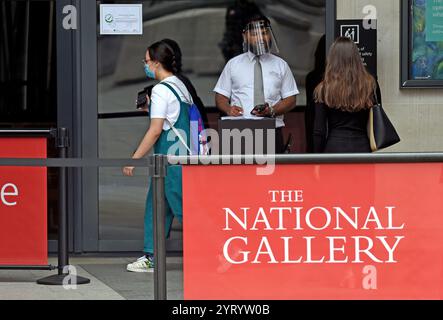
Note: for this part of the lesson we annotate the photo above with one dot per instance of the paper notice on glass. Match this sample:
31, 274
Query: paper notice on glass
118, 19
243, 118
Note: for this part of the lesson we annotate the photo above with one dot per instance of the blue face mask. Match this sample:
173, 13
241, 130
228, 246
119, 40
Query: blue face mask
149, 73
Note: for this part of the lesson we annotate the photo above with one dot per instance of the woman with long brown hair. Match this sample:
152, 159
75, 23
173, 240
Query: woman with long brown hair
343, 100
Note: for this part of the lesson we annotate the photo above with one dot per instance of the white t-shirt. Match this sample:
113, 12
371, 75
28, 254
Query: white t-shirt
164, 104
237, 81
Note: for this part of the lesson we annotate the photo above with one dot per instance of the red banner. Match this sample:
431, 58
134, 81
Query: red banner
23, 204
313, 232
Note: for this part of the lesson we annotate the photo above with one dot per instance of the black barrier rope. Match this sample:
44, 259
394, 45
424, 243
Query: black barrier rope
75, 162
62, 143
226, 160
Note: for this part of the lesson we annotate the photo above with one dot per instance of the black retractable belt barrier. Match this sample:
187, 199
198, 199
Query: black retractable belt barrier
62, 143
158, 184
157, 165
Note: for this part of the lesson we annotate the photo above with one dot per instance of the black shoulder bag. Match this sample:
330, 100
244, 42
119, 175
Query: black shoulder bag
381, 132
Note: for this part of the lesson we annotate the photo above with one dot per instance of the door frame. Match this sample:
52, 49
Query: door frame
77, 111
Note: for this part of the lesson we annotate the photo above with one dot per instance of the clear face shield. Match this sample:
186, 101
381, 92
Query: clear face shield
259, 39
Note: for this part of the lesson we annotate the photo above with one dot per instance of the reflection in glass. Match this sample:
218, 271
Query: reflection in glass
199, 28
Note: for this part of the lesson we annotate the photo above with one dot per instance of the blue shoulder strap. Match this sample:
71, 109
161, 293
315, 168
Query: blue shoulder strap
173, 91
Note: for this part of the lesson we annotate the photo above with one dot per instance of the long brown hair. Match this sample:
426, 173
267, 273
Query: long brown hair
347, 84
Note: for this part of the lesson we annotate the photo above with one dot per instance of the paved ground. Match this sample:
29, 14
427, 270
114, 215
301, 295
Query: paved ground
109, 281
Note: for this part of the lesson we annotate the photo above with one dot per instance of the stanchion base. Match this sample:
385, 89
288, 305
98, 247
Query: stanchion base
63, 279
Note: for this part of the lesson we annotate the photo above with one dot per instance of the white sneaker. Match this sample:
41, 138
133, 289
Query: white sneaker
141, 265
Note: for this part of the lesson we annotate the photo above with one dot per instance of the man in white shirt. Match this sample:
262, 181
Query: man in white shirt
258, 77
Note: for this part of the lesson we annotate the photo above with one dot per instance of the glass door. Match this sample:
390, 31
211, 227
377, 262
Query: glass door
209, 34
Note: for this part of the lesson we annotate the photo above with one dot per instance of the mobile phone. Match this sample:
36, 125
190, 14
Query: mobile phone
141, 100
259, 108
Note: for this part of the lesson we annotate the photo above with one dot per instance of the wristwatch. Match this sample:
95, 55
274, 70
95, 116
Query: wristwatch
272, 111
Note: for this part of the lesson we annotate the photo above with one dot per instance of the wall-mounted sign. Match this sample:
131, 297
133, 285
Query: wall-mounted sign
121, 19
313, 232
422, 44
23, 205
364, 37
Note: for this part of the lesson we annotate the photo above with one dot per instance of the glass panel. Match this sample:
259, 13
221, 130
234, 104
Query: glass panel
208, 33
27, 64
28, 78
121, 199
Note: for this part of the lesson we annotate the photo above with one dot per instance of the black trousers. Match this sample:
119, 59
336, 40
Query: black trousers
279, 141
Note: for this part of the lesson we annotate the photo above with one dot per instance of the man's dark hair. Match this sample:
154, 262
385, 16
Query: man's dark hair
236, 16
320, 55
254, 18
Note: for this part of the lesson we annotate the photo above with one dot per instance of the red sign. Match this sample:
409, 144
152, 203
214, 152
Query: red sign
23, 204
313, 232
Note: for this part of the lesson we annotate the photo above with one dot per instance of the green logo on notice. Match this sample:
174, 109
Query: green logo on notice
109, 18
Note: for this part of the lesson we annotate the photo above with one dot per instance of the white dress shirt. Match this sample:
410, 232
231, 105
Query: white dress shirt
237, 82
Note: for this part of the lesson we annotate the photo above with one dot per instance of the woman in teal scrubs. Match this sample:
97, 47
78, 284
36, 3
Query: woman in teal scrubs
168, 110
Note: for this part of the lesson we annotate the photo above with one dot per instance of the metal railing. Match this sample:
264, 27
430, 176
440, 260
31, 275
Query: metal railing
310, 159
